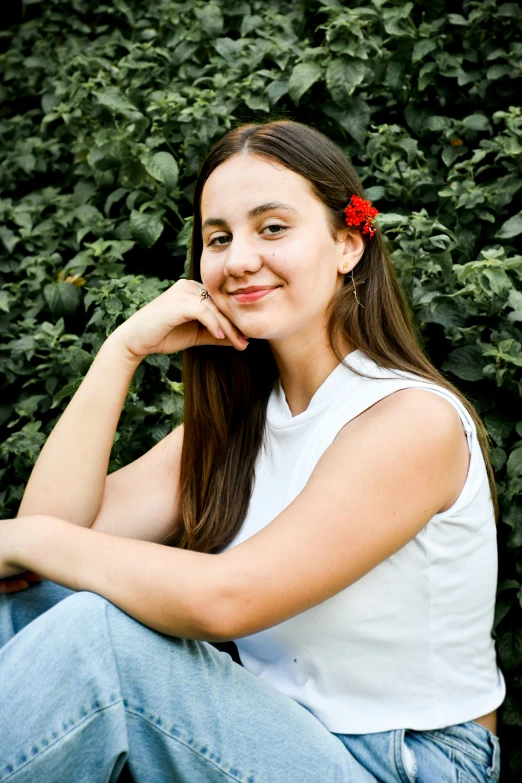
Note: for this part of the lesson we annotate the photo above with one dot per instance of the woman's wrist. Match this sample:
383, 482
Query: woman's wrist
15, 537
21, 536
116, 345
47, 545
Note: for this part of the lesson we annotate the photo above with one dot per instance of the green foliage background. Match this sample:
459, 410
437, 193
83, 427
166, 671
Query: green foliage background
107, 112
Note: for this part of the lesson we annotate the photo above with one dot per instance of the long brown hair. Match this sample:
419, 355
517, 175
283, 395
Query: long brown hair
226, 391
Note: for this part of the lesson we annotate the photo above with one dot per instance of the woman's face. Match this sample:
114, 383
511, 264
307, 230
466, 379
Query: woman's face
262, 228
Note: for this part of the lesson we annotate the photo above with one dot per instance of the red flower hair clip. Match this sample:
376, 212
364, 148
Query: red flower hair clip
360, 214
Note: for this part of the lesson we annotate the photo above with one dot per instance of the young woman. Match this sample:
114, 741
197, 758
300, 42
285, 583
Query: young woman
328, 504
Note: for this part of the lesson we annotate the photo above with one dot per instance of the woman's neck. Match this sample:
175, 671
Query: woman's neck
303, 368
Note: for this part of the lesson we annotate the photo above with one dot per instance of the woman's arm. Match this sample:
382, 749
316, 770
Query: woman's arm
171, 590
141, 500
68, 479
379, 483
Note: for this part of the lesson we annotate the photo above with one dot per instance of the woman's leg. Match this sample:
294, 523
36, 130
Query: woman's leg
19, 609
84, 687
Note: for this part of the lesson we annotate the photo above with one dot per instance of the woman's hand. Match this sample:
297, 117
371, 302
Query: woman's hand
13, 577
12, 584
177, 319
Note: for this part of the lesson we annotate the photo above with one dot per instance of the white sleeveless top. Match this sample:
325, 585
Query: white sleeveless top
408, 645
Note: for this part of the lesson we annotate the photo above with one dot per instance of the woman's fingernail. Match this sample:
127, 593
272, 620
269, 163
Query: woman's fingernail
221, 332
244, 340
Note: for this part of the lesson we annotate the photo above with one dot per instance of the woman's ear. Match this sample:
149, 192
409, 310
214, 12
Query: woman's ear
351, 248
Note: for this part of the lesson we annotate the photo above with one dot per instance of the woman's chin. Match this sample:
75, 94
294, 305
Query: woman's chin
256, 329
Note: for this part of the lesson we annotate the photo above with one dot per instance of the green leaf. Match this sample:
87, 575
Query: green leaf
515, 301
257, 102
160, 360
498, 427
443, 311
163, 167
62, 298
276, 90
146, 227
79, 360
183, 238
228, 48
509, 9
509, 645
508, 584
465, 362
210, 18
66, 391
477, 122
250, 23
113, 99
498, 458
458, 19
511, 712
450, 154
87, 214
422, 48
437, 122
395, 73
342, 77
389, 219
514, 463
113, 198
355, 119
513, 518
499, 281
375, 192
498, 71
5, 300
9, 239
303, 76
105, 156
511, 228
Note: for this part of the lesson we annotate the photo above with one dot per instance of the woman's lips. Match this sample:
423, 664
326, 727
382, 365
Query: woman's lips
252, 296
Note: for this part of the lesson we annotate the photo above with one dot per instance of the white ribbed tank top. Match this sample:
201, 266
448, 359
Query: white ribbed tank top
408, 645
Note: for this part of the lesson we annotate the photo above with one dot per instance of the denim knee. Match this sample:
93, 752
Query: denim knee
81, 616
83, 604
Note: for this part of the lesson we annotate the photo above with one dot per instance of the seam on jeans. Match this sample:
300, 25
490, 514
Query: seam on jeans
58, 739
454, 742
106, 606
415, 772
210, 761
398, 740
495, 745
494, 769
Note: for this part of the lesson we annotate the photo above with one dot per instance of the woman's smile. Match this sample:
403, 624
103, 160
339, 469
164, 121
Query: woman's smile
252, 294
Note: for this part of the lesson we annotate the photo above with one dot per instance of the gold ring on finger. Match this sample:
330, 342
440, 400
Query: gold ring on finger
204, 294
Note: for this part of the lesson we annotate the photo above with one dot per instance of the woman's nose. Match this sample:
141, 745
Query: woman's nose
241, 258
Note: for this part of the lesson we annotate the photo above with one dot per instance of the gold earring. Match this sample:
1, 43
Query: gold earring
353, 283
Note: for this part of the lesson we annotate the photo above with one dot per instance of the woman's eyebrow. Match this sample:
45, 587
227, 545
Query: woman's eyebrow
253, 213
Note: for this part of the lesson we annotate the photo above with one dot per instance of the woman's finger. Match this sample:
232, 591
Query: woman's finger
13, 585
216, 327
209, 320
230, 330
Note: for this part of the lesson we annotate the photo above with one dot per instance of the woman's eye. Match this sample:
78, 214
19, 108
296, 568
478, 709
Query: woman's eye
277, 226
216, 240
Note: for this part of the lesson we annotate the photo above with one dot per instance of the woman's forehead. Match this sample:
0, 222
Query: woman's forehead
244, 182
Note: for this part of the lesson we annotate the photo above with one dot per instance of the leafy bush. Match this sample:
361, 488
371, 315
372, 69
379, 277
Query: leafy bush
107, 112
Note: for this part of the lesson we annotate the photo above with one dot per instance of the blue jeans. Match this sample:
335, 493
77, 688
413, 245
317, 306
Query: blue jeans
84, 687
